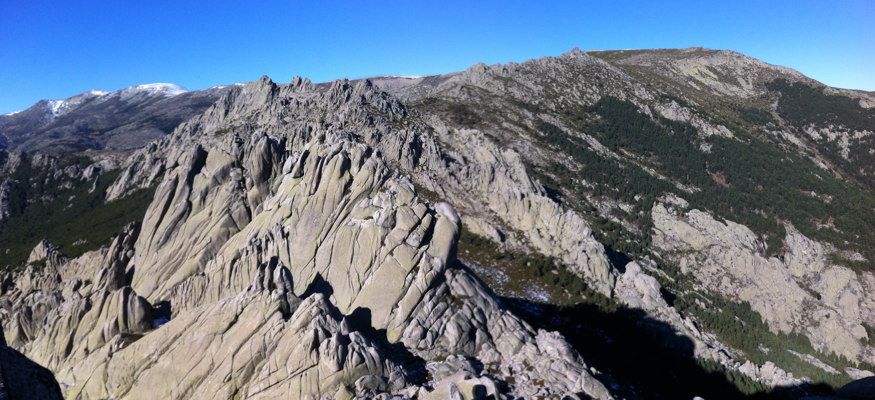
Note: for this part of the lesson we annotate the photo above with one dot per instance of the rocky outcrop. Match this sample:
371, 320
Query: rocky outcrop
801, 292
113, 275
486, 175
58, 315
46, 253
82, 325
770, 374
260, 346
9, 162
636, 289
294, 255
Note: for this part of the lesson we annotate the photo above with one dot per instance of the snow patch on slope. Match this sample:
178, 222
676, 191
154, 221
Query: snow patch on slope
166, 89
56, 108
60, 107
150, 90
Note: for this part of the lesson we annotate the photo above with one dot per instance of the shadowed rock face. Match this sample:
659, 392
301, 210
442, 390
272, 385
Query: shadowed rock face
862, 389
21, 378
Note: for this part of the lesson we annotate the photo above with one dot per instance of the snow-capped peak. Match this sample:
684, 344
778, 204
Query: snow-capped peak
149, 90
56, 108
60, 107
167, 89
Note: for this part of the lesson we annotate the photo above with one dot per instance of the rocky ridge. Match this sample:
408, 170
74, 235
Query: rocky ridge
713, 92
303, 235
243, 229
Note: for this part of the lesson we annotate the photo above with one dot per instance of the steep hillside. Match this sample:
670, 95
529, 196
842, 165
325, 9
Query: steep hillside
621, 136
123, 120
566, 226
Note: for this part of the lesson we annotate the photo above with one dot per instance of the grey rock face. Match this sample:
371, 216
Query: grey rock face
56, 314
725, 257
290, 251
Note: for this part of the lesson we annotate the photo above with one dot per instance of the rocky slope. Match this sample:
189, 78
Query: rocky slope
799, 292
329, 241
296, 241
608, 133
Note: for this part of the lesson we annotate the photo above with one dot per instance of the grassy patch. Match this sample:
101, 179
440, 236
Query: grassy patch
515, 273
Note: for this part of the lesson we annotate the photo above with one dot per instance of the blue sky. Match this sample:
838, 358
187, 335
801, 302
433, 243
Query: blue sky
55, 49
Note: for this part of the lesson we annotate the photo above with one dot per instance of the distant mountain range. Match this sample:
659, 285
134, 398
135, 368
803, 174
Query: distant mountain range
123, 120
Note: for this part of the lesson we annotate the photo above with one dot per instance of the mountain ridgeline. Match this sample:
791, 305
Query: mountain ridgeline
123, 120
633, 224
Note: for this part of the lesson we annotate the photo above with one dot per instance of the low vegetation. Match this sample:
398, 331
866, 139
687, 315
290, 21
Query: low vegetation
747, 180
742, 328
76, 219
803, 106
513, 273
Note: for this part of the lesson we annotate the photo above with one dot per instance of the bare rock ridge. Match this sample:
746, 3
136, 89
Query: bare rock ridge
301, 240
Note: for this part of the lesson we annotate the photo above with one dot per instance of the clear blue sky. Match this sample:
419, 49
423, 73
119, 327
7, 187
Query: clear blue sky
55, 49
